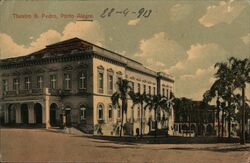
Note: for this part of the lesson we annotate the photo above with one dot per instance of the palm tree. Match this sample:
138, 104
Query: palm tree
241, 71
157, 102
216, 90
122, 93
138, 98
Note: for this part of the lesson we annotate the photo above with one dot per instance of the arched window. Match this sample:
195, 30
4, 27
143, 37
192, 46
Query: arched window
83, 112
110, 112
100, 112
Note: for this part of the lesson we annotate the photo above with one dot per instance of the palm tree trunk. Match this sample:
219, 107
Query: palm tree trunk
141, 117
213, 119
155, 123
123, 109
218, 118
121, 125
243, 138
229, 125
222, 121
189, 124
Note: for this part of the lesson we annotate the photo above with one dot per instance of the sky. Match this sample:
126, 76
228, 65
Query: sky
184, 38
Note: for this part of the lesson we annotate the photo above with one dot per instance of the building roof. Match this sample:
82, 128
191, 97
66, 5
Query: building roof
76, 45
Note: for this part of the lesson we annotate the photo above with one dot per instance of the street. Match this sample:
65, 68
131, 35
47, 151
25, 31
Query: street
41, 145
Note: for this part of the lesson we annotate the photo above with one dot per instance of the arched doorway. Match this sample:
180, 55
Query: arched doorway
24, 114
201, 129
209, 130
68, 115
12, 113
53, 114
38, 113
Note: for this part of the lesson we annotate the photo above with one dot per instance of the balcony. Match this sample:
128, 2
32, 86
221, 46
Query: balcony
23, 93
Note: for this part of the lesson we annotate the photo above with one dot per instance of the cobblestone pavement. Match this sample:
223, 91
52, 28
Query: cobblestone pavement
33, 145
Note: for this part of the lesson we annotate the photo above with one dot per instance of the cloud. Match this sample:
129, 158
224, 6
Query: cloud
225, 12
199, 56
194, 73
246, 39
134, 22
9, 48
160, 49
180, 11
195, 84
89, 31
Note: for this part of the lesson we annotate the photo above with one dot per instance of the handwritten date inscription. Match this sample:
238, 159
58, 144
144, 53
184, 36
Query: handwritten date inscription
107, 12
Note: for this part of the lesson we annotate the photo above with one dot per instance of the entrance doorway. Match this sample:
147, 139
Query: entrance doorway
38, 113
68, 116
53, 114
24, 114
12, 114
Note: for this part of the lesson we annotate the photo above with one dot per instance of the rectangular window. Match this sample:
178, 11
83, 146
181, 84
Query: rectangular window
152, 125
100, 114
15, 84
163, 91
149, 90
5, 85
82, 80
133, 86
67, 81
110, 112
110, 82
138, 113
53, 81
100, 82
144, 88
139, 88
40, 82
27, 82
132, 116
167, 93
154, 90
83, 114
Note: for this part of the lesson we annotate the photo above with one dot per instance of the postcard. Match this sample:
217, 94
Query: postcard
125, 81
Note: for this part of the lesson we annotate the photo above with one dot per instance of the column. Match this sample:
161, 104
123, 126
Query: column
46, 108
18, 113
5, 109
44, 113
31, 113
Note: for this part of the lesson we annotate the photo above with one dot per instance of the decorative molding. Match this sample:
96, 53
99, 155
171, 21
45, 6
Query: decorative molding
100, 67
110, 70
132, 78
119, 73
67, 68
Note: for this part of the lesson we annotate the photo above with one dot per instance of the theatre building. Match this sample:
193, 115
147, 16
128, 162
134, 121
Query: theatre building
74, 80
